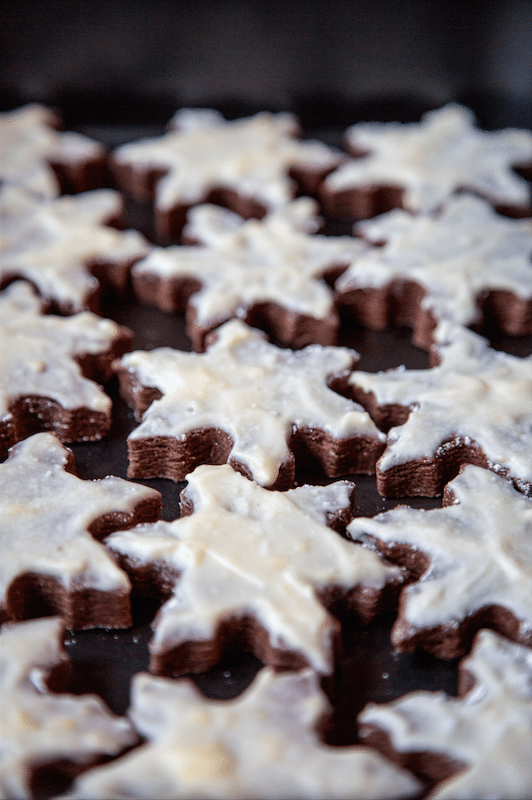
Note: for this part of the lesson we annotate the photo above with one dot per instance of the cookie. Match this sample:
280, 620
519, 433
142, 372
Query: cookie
251, 165
49, 368
52, 559
253, 569
478, 745
259, 407
465, 264
471, 563
36, 155
474, 406
268, 272
419, 166
262, 744
67, 247
48, 737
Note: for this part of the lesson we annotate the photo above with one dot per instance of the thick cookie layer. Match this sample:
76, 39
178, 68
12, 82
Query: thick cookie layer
48, 737
419, 166
246, 401
254, 569
251, 165
471, 563
52, 561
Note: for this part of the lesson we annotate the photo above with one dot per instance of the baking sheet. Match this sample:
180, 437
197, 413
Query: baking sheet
368, 670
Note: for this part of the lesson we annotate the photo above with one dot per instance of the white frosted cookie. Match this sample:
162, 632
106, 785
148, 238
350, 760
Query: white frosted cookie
269, 269
484, 736
249, 402
471, 561
41, 729
34, 151
246, 163
262, 744
474, 406
456, 257
48, 369
247, 556
52, 561
66, 248
429, 161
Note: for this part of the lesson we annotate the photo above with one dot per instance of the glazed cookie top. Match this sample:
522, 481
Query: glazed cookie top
241, 748
39, 726
39, 353
455, 255
475, 393
31, 141
53, 244
47, 513
256, 392
249, 550
435, 158
479, 549
488, 729
252, 156
244, 262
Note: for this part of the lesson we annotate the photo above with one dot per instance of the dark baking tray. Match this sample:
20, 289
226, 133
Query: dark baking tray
369, 669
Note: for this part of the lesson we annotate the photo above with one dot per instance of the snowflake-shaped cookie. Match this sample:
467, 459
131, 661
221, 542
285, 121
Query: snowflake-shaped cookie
250, 562
465, 261
48, 368
262, 744
474, 406
51, 520
247, 401
485, 735
66, 247
426, 163
41, 729
266, 271
245, 164
472, 561
37, 156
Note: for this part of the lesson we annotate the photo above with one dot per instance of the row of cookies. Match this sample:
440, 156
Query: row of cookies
218, 373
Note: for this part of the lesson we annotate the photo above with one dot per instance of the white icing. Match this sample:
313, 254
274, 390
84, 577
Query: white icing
247, 550
489, 729
480, 551
38, 353
455, 256
54, 243
251, 156
30, 142
437, 157
255, 261
38, 726
259, 745
256, 392
474, 392
47, 511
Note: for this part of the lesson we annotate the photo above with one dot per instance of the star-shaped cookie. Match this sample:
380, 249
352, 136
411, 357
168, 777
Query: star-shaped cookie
66, 248
52, 561
471, 562
246, 401
48, 369
462, 264
262, 744
45, 160
45, 733
253, 567
482, 740
248, 165
475, 406
268, 272
419, 166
